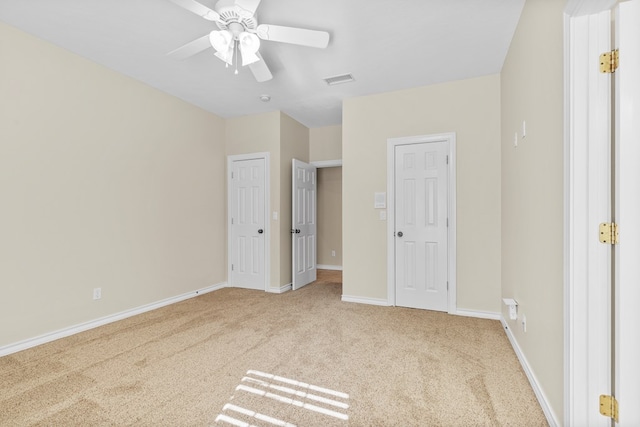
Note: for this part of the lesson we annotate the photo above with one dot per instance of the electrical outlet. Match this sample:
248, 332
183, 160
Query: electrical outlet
524, 323
333, 253
97, 293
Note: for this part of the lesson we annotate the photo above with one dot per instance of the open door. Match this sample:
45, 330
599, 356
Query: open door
589, 191
304, 229
603, 320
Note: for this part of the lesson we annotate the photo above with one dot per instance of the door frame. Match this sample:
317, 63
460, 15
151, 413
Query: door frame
627, 270
267, 219
586, 114
450, 138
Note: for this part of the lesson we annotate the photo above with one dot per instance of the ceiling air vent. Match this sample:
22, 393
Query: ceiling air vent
336, 80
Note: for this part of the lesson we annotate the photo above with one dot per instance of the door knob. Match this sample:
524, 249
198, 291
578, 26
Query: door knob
260, 231
400, 234
297, 231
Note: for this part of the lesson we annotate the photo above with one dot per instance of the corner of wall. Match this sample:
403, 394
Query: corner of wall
532, 204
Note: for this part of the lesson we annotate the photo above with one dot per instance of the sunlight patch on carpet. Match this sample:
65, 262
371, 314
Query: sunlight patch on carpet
271, 391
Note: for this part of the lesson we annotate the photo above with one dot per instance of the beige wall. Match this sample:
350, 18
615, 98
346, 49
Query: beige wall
330, 216
108, 183
285, 139
325, 143
471, 108
294, 143
532, 191
105, 182
256, 134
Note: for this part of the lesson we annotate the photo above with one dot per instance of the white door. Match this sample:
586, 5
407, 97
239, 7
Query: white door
247, 224
588, 308
421, 209
304, 228
627, 252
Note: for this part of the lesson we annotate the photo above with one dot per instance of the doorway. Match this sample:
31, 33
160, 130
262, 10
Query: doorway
329, 251
327, 217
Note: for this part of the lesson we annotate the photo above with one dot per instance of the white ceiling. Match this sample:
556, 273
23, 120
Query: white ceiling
386, 45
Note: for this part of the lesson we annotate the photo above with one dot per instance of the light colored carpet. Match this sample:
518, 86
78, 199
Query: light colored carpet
300, 358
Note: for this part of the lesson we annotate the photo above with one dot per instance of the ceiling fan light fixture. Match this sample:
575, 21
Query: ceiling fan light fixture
248, 44
248, 58
226, 56
221, 40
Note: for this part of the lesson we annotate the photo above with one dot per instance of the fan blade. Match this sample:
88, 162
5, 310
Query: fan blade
198, 9
191, 48
260, 70
277, 33
247, 7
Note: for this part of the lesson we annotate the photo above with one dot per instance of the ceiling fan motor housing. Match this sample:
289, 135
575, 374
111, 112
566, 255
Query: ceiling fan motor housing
231, 14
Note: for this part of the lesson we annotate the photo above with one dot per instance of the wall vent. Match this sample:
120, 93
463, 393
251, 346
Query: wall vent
336, 80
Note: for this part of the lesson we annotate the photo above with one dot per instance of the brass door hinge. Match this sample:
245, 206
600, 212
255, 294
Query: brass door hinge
609, 406
609, 233
609, 62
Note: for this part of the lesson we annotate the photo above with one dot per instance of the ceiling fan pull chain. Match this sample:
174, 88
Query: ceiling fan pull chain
236, 52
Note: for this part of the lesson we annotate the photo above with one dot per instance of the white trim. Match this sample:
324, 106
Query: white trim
568, 397
327, 163
391, 144
365, 300
81, 327
627, 214
575, 8
587, 202
552, 419
282, 289
479, 314
329, 267
267, 215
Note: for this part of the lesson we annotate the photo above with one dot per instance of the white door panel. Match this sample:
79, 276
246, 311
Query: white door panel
627, 252
421, 209
247, 220
588, 306
304, 186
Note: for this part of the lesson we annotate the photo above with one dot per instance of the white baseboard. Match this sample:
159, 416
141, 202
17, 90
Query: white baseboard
552, 419
479, 314
282, 289
329, 267
72, 330
364, 300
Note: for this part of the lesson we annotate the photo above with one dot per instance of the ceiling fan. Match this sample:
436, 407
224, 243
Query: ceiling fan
239, 32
